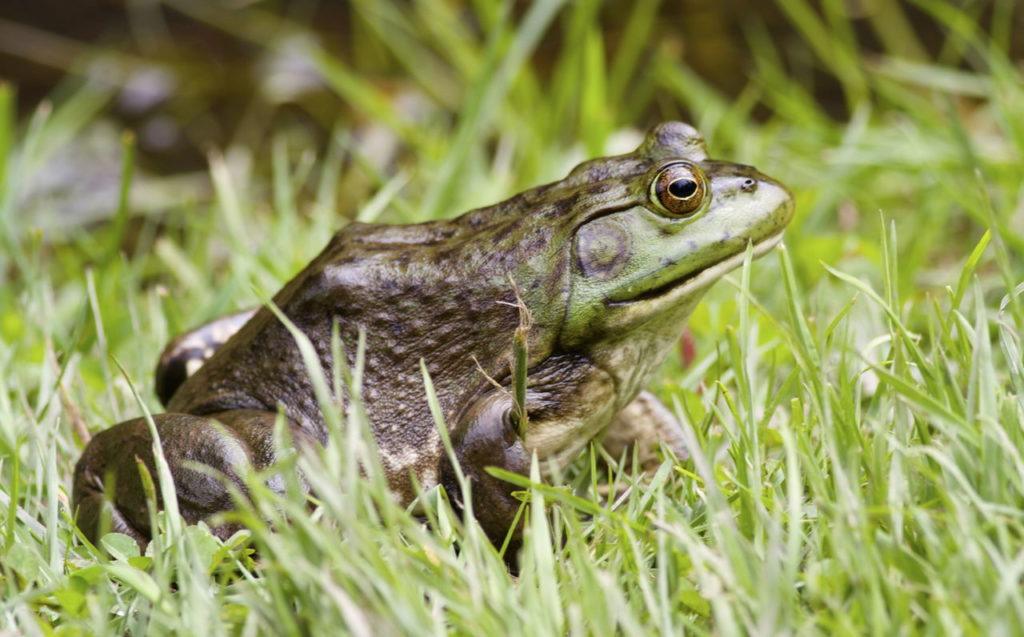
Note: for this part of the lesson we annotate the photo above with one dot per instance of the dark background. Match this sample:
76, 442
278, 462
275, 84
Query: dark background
189, 74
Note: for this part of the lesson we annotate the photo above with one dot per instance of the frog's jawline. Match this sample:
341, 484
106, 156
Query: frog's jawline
707, 276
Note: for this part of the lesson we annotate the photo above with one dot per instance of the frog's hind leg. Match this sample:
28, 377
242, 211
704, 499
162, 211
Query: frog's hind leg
229, 443
186, 354
644, 424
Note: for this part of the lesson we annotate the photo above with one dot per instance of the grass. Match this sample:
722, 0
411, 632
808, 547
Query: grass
855, 409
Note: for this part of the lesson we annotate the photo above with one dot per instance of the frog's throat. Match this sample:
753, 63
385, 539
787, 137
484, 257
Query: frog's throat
691, 284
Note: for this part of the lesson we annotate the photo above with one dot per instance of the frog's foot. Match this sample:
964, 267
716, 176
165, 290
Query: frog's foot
489, 439
229, 443
186, 354
645, 424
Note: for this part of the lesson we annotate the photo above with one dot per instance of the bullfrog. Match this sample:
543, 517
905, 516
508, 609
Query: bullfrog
597, 274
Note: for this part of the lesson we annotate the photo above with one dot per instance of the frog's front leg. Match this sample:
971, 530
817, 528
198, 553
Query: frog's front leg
229, 442
488, 438
568, 402
644, 424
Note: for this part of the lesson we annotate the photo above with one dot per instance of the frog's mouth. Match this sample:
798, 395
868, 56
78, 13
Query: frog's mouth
700, 279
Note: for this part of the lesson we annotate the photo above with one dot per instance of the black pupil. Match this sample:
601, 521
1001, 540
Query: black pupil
682, 188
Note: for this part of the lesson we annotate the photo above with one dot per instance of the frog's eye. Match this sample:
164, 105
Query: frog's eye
679, 189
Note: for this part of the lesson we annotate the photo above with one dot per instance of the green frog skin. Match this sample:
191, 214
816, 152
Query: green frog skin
609, 261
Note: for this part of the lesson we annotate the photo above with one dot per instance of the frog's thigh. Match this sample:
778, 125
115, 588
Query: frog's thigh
644, 423
188, 352
228, 443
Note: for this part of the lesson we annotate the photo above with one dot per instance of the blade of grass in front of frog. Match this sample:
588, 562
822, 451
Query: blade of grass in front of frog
341, 378
148, 496
542, 555
520, 361
442, 428
168, 495
473, 539
520, 356
357, 424
358, 421
311, 360
474, 542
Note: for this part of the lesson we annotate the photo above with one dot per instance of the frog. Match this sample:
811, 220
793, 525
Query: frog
586, 283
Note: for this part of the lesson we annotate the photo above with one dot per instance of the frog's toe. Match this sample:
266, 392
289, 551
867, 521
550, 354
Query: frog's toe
91, 506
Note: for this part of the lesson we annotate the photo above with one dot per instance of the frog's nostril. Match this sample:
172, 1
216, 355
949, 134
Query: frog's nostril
749, 185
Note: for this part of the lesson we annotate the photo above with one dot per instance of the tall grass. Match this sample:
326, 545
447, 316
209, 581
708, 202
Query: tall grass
855, 411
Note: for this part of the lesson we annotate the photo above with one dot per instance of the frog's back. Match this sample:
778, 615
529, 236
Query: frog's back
260, 366
384, 281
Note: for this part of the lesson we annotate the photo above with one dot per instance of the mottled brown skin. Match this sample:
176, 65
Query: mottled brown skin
608, 277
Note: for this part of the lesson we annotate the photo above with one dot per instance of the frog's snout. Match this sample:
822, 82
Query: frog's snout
784, 201
767, 201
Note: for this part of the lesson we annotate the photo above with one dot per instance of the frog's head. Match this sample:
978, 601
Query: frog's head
671, 223
609, 261
611, 258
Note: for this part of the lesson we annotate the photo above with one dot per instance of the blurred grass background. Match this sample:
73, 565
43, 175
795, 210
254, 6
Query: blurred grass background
856, 406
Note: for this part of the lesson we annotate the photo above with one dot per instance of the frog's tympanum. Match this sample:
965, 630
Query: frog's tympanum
609, 263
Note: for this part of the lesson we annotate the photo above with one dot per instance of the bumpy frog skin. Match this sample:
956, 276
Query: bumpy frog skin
609, 261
